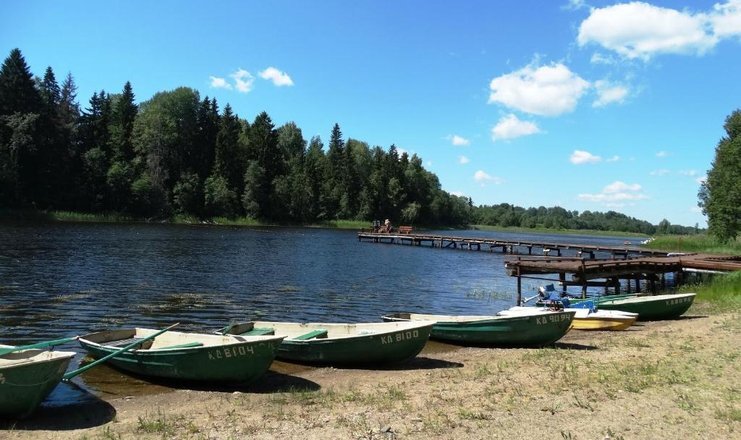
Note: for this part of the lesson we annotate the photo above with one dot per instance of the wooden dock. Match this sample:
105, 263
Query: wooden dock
608, 273
507, 246
630, 264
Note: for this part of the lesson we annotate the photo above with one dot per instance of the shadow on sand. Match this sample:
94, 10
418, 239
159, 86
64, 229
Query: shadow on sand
68, 407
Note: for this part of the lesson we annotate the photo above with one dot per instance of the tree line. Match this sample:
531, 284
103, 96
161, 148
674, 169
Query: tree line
178, 154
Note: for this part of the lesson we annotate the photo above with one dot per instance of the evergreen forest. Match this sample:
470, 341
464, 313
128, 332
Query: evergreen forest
177, 154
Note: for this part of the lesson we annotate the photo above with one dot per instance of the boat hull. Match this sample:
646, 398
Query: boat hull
225, 359
609, 323
502, 331
349, 345
650, 308
27, 377
585, 319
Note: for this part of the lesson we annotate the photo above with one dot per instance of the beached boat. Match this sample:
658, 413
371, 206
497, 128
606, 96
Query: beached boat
504, 331
27, 377
186, 356
650, 307
584, 318
342, 344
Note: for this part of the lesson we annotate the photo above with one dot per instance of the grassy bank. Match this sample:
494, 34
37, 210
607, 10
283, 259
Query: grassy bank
557, 231
695, 243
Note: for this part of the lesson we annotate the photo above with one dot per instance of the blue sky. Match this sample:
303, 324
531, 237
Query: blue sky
586, 105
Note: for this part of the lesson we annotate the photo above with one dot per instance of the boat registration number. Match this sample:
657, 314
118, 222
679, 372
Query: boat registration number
542, 320
675, 301
398, 337
230, 352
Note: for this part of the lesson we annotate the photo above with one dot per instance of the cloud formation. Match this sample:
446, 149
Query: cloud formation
511, 127
549, 90
616, 194
243, 80
609, 93
639, 30
219, 83
459, 141
580, 157
483, 178
279, 78
463, 160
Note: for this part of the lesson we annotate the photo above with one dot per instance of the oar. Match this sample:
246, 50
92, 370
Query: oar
44, 344
72, 374
527, 300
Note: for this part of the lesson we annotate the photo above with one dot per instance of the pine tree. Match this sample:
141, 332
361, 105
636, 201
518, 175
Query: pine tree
20, 110
18, 93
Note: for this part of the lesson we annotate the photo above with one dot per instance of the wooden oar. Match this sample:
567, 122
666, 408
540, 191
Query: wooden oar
72, 374
44, 344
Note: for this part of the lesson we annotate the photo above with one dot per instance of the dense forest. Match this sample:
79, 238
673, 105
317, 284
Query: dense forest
179, 155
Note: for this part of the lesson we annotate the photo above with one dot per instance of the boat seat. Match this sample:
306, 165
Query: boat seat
318, 333
186, 345
260, 331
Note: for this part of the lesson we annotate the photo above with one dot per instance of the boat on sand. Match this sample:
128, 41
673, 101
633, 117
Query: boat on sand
186, 356
342, 344
503, 331
27, 377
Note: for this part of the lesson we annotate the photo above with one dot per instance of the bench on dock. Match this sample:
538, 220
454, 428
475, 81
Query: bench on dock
318, 333
405, 229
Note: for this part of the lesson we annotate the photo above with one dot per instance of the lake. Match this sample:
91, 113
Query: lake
67, 279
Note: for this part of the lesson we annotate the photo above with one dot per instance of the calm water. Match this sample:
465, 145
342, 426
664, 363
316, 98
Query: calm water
67, 279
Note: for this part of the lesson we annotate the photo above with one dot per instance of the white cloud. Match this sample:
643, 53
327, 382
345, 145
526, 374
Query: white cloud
459, 141
278, 78
580, 157
608, 93
598, 58
219, 83
639, 30
726, 19
619, 187
510, 127
662, 154
243, 80
616, 194
458, 193
702, 179
688, 173
483, 178
614, 158
659, 172
546, 90
463, 160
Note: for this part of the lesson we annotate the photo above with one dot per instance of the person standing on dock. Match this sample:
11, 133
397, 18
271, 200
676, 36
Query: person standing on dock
387, 226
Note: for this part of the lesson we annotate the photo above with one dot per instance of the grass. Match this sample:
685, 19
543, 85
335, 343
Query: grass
541, 230
721, 294
695, 243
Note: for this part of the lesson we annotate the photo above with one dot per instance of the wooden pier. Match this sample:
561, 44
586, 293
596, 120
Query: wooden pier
630, 264
608, 273
507, 246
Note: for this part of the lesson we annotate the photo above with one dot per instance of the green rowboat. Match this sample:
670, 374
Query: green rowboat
503, 331
343, 344
186, 356
649, 308
27, 377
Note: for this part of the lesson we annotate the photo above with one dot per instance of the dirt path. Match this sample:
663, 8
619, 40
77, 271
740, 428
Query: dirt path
672, 379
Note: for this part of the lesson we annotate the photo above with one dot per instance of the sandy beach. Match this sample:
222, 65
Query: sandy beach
666, 379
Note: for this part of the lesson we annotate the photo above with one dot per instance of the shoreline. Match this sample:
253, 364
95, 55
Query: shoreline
659, 379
